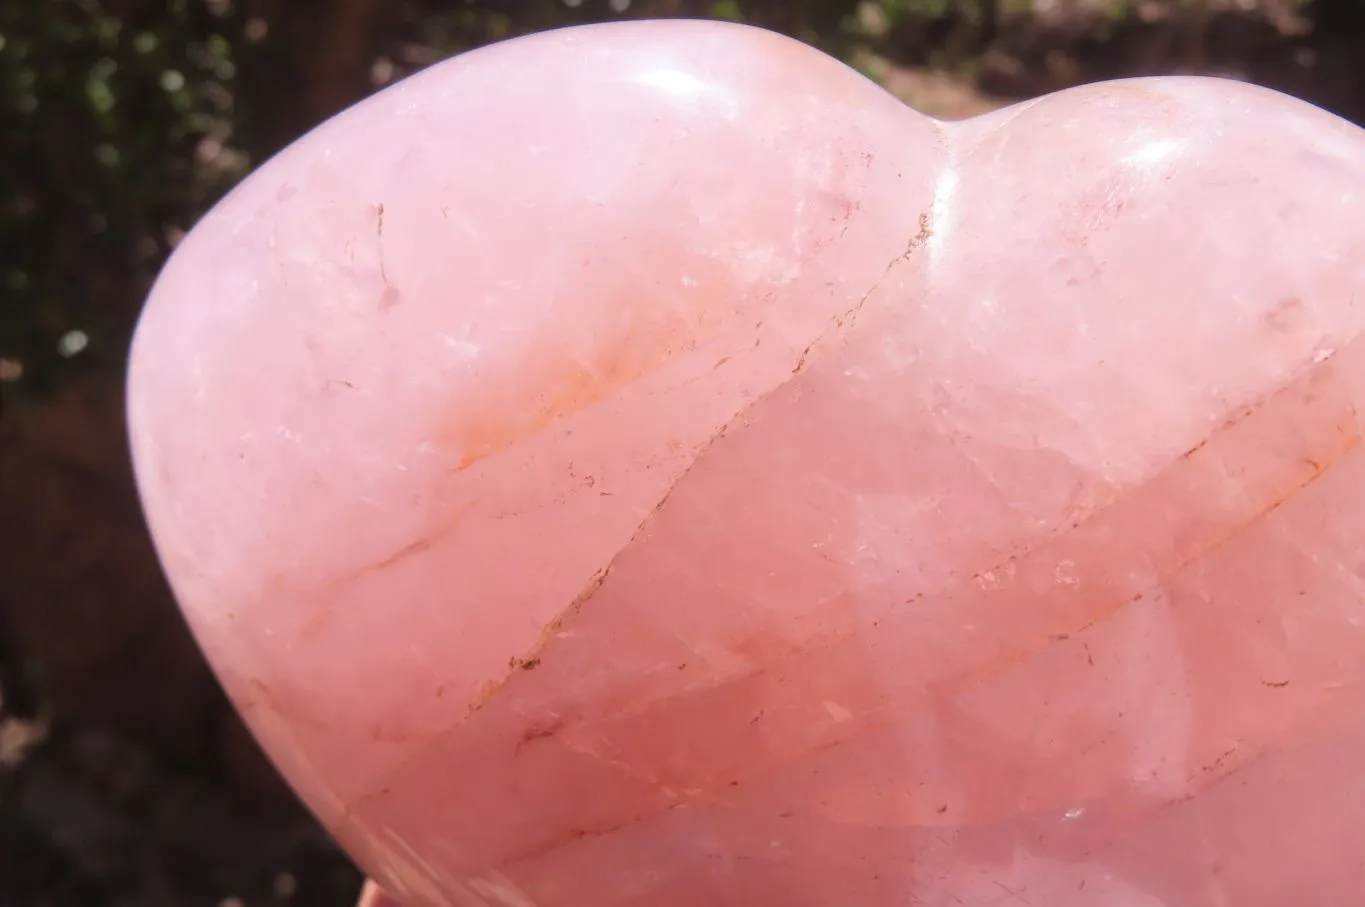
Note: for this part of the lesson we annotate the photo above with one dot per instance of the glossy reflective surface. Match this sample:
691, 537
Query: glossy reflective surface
647, 465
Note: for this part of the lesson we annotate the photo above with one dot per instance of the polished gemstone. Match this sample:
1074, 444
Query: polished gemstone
648, 466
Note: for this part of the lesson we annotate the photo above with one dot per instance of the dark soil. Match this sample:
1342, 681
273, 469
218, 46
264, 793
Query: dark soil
88, 819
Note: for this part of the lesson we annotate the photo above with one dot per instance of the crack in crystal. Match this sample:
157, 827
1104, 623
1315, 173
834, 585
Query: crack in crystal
850, 316
842, 321
1321, 468
1322, 465
553, 627
379, 242
1096, 618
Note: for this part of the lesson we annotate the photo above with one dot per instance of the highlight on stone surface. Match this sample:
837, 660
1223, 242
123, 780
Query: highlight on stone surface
648, 466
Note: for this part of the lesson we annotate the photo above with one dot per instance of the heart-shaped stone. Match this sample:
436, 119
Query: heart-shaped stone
648, 465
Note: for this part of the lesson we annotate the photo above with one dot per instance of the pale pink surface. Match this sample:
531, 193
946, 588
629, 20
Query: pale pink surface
647, 465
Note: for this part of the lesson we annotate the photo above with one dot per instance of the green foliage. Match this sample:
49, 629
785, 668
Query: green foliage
113, 135
727, 9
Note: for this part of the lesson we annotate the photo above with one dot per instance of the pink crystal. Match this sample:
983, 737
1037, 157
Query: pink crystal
648, 466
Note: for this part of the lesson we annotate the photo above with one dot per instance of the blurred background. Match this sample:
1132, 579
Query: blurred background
125, 777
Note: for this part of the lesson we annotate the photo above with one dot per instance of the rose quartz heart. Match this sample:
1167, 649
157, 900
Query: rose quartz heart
647, 465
